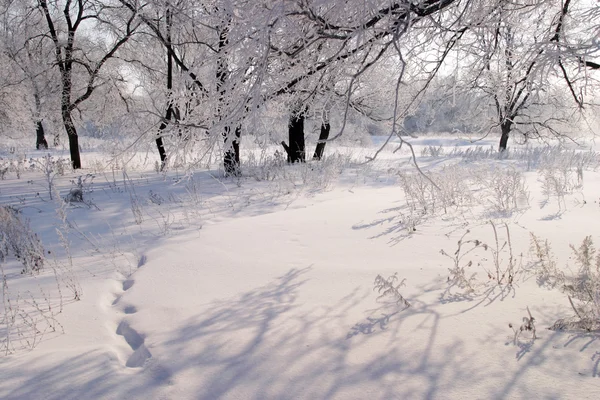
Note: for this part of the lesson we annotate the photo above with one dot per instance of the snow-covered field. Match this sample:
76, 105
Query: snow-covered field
192, 286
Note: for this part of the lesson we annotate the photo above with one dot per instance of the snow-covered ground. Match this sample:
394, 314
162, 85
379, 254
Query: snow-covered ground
196, 287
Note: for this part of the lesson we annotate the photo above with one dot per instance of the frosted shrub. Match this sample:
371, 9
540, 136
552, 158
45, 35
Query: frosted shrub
528, 325
558, 182
264, 167
453, 188
544, 264
504, 189
475, 153
419, 192
432, 193
4, 167
18, 165
25, 319
321, 174
470, 253
432, 151
586, 285
583, 290
16, 238
390, 287
534, 157
80, 193
50, 167
460, 273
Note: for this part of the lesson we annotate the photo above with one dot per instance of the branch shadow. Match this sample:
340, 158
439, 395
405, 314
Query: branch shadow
264, 344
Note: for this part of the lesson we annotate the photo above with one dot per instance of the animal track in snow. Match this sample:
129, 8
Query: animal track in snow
136, 342
128, 284
130, 310
132, 337
142, 261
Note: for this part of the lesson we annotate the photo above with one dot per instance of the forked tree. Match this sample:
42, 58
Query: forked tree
67, 23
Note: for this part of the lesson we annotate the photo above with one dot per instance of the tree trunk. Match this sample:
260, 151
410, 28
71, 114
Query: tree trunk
231, 158
505, 128
296, 150
73, 139
40, 143
325, 128
159, 138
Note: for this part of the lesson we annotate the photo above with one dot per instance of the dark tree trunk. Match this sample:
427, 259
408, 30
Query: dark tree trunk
296, 150
159, 139
505, 128
40, 143
161, 152
231, 158
66, 110
73, 140
324, 135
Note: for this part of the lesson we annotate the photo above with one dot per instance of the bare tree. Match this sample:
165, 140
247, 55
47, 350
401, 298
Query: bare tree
515, 60
28, 54
65, 21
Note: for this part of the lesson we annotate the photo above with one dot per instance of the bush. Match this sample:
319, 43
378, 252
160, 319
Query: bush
16, 238
583, 290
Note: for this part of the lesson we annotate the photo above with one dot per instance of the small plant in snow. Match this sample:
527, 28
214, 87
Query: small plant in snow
65, 270
83, 188
48, 166
136, 207
504, 189
583, 290
4, 166
505, 268
155, 198
390, 287
18, 165
528, 325
17, 238
459, 275
432, 151
420, 193
547, 274
25, 319
557, 183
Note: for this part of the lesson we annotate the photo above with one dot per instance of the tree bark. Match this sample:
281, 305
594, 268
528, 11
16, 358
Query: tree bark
159, 139
323, 136
231, 143
40, 143
73, 140
505, 127
296, 150
231, 158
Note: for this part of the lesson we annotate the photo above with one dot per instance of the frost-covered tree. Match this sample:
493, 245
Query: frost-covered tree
242, 56
26, 63
515, 61
85, 35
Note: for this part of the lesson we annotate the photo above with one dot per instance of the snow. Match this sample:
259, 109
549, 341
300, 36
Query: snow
246, 289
